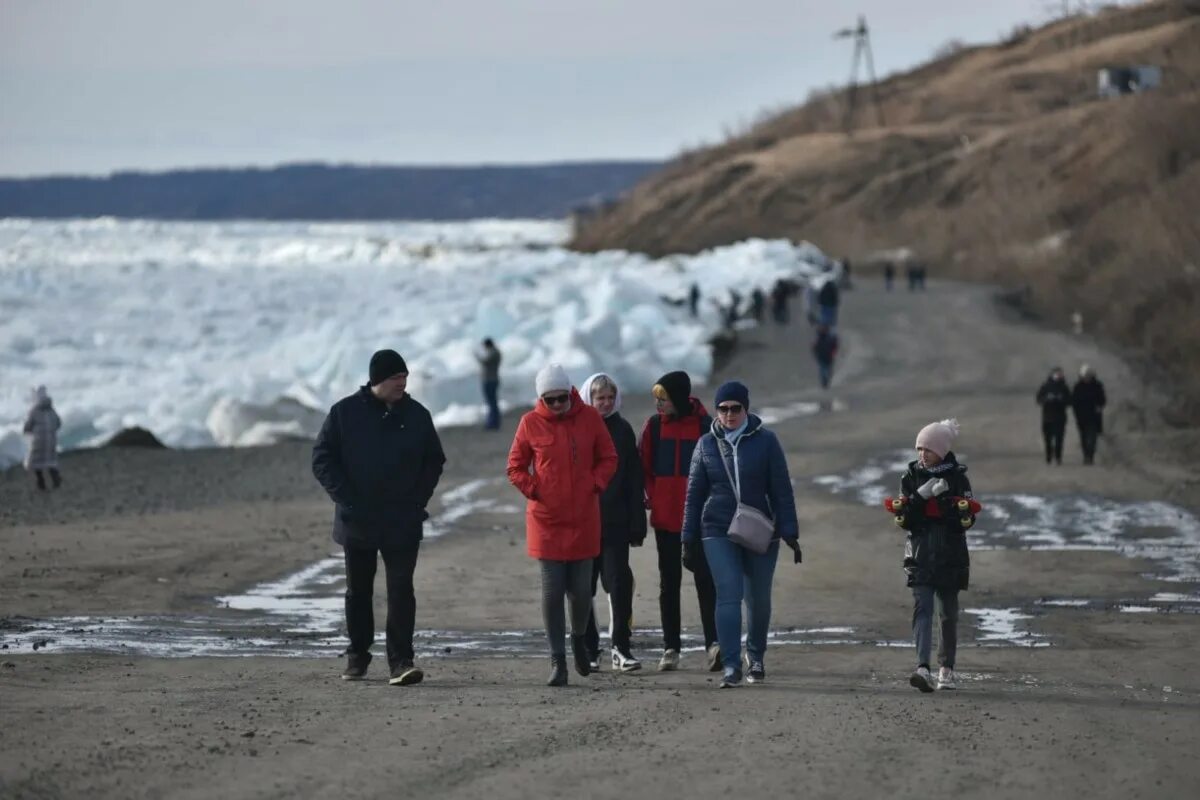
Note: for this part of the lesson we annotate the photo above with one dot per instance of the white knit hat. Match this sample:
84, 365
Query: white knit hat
551, 377
937, 436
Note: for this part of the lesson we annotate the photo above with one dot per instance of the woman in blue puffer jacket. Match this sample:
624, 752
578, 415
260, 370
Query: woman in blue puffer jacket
753, 456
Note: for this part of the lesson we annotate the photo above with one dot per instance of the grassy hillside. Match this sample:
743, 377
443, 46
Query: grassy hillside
997, 163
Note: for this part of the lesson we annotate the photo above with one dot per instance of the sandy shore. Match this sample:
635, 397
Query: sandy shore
1107, 704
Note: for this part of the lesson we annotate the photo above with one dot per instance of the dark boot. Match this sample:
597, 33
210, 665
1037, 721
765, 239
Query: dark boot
558, 671
580, 652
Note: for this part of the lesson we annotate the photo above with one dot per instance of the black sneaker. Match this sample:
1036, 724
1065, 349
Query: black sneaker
405, 674
356, 666
731, 678
756, 672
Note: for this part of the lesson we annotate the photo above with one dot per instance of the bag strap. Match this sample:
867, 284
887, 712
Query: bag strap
737, 484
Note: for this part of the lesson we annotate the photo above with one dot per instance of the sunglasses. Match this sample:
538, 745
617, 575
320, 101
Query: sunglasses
734, 408
556, 399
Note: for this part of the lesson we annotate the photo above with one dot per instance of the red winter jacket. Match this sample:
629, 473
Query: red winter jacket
573, 459
666, 463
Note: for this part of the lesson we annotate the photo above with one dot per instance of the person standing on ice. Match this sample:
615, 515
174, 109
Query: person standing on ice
379, 458
562, 459
489, 364
622, 525
937, 565
41, 428
668, 440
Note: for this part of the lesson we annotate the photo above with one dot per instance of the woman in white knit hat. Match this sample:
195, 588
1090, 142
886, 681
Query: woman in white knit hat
561, 459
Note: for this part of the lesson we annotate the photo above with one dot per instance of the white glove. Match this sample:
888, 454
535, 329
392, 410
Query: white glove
933, 487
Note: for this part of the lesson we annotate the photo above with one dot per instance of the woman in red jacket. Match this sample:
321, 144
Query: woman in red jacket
668, 441
561, 459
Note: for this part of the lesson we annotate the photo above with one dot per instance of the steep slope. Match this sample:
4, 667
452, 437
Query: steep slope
996, 163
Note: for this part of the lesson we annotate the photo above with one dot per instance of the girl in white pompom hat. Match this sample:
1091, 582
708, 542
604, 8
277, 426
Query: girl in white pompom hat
936, 508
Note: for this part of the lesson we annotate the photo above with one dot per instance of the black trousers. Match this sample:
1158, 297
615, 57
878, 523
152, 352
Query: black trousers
670, 580
1089, 432
1052, 434
55, 478
612, 570
401, 601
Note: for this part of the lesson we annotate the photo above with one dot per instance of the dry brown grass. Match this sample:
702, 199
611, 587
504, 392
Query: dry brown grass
987, 153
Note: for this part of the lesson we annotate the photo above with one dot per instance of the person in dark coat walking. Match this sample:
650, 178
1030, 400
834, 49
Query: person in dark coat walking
1054, 396
622, 525
1088, 401
824, 350
738, 461
758, 304
379, 458
489, 365
889, 275
937, 565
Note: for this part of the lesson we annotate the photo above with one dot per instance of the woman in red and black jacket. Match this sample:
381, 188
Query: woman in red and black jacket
668, 441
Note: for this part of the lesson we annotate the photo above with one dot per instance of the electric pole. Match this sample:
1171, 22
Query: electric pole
862, 50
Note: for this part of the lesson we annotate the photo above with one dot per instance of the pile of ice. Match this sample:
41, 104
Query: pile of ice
240, 333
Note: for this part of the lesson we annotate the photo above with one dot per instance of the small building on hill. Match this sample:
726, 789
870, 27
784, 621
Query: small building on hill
1116, 81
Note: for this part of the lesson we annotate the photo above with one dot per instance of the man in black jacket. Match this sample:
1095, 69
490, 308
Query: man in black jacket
379, 458
1088, 400
1054, 396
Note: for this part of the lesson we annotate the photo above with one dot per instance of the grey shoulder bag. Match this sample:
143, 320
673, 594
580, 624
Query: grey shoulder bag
750, 528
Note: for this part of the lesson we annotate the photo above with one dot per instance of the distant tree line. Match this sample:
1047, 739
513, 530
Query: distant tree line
328, 192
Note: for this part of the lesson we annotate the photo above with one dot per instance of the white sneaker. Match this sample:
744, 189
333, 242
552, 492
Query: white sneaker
921, 679
624, 663
946, 679
669, 661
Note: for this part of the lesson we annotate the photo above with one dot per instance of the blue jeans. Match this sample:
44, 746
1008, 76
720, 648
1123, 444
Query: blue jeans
741, 575
491, 391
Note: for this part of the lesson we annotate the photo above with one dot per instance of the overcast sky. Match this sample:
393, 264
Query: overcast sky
90, 87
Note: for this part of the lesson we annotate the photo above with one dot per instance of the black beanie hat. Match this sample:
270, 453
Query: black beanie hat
385, 364
678, 387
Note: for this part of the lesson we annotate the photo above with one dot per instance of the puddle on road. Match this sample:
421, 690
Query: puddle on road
301, 615
1166, 535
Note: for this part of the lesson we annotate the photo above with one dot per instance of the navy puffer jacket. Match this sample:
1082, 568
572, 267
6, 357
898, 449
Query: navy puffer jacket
761, 469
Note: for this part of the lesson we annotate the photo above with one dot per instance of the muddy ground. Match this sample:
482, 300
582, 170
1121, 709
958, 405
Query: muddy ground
1093, 701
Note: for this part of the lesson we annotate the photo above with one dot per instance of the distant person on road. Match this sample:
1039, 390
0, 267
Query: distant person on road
936, 561
1088, 401
779, 302
828, 298
622, 525
41, 429
738, 461
824, 350
889, 275
758, 304
668, 440
562, 459
913, 274
379, 458
1054, 396
489, 364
